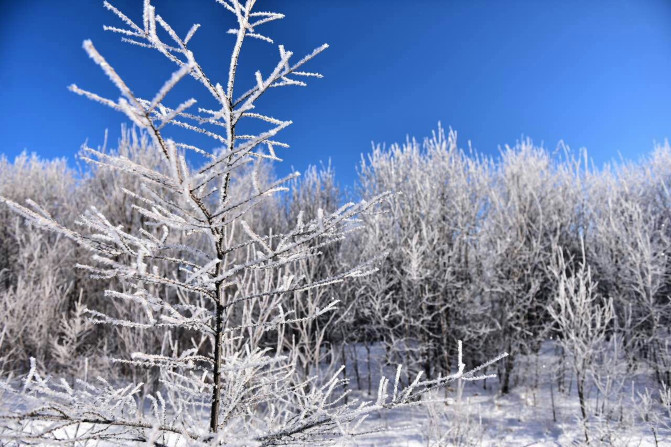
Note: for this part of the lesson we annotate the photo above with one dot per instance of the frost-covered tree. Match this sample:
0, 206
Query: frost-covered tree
313, 340
583, 318
429, 297
628, 245
531, 208
195, 270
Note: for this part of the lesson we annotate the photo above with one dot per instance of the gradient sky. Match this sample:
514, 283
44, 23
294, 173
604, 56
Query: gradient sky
596, 74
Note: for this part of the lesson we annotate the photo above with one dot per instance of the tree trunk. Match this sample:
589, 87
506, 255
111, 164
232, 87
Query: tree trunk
218, 342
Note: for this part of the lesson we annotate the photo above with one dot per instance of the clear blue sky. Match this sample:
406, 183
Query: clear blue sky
593, 73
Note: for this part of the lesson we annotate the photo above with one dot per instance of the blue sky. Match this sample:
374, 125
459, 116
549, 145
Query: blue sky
592, 73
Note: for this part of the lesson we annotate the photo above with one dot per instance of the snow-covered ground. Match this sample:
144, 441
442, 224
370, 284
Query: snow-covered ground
534, 413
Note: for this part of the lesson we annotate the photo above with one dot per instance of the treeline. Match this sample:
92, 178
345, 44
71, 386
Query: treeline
502, 253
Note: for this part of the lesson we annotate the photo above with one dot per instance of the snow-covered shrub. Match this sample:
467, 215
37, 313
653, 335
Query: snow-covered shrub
531, 207
458, 424
470, 244
313, 341
427, 294
628, 244
36, 280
